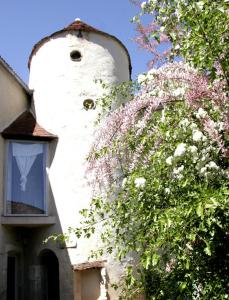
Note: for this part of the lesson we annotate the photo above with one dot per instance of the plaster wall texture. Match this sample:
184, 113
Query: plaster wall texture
13, 101
13, 98
60, 86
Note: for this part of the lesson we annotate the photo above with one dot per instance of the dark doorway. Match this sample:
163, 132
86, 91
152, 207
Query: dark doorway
50, 266
11, 278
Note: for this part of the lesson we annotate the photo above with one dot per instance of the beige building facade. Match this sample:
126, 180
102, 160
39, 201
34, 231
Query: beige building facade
46, 133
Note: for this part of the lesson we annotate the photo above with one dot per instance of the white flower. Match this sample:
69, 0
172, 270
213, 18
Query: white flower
180, 150
178, 170
178, 92
192, 149
141, 78
193, 126
204, 138
212, 165
167, 134
139, 182
161, 94
204, 157
208, 149
140, 124
195, 158
143, 5
185, 122
201, 113
167, 190
151, 73
181, 168
203, 170
177, 47
162, 28
169, 160
177, 12
179, 176
220, 126
197, 136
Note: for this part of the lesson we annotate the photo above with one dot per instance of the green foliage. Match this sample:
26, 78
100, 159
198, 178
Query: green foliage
171, 210
114, 95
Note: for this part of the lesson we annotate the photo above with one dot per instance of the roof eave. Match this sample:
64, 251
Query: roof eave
25, 127
9, 69
84, 28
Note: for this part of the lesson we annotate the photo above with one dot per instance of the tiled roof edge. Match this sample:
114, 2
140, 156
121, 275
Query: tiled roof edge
75, 26
89, 265
14, 74
25, 126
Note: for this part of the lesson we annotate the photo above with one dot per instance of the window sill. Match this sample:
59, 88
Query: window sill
27, 221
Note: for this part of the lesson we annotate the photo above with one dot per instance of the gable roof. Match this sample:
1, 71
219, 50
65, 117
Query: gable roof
26, 127
9, 69
80, 26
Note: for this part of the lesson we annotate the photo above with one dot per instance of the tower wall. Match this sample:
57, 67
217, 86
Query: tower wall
60, 86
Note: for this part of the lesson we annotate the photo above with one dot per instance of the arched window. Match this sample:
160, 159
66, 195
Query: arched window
50, 275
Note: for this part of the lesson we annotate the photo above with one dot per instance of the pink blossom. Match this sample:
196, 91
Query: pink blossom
134, 117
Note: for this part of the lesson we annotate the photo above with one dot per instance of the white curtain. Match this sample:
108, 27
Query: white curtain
25, 155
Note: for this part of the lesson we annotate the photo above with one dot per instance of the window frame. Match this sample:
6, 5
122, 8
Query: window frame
6, 174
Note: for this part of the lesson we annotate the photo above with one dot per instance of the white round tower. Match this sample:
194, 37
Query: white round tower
63, 69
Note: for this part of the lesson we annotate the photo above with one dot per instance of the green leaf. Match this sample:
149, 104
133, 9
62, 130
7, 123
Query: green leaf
155, 259
182, 286
187, 264
207, 249
199, 210
147, 262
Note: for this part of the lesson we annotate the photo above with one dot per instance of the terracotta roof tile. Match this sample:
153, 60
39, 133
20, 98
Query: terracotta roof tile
76, 26
26, 127
89, 265
79, 25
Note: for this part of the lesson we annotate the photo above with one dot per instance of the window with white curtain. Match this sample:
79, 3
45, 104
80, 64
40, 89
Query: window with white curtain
26, 178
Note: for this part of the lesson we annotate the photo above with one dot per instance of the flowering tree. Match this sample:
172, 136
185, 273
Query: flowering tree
194, 30
166, 161
159, 166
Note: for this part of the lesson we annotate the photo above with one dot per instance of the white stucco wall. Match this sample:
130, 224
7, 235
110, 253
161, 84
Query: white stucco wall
60, 86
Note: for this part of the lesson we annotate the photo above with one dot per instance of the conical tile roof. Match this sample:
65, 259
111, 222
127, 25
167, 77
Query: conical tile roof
77, 25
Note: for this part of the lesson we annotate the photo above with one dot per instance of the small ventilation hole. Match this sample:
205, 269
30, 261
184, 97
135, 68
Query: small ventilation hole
75, 55
89, 104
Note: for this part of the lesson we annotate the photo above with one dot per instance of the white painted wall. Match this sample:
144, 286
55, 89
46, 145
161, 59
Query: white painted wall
60, 86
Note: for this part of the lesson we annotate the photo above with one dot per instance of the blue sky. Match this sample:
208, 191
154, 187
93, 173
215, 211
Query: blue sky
24, 22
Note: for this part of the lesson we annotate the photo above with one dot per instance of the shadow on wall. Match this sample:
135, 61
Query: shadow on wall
37, 271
